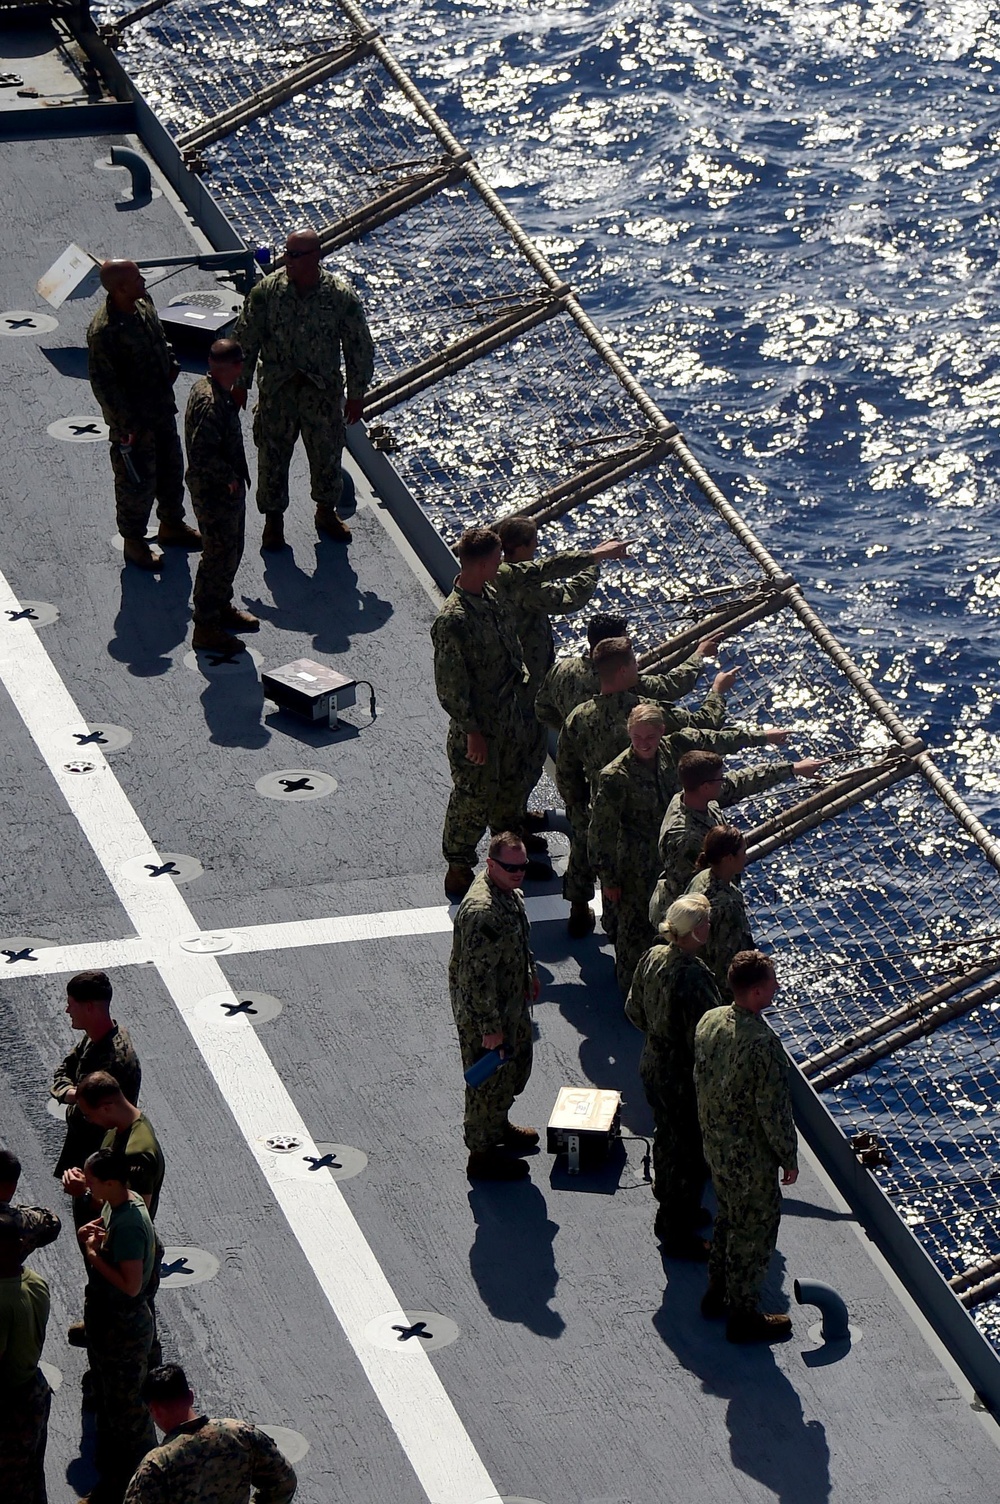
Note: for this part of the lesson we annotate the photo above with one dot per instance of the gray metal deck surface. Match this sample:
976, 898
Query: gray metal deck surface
583, 1372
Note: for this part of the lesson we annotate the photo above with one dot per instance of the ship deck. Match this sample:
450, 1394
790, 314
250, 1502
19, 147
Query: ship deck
581, 1371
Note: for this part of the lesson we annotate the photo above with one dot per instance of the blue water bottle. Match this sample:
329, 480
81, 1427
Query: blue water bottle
486, 1066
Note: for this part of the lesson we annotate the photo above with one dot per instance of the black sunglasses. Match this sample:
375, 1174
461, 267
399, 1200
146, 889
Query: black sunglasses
510, 866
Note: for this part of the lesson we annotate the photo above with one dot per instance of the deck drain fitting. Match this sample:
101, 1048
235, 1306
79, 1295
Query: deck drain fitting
341, 1161
161, 866
39, 613
107, 738
296, 784
256, 1007
186, 1266
411, 1331
209, 944
291, 1444
79, 765
80, 429
21, 323
15, 949
283, 1143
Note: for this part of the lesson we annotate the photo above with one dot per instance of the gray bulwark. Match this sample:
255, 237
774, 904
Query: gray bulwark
582, 1373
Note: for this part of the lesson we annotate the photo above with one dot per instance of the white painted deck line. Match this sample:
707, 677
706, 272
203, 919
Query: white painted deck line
406, 1384
290, 935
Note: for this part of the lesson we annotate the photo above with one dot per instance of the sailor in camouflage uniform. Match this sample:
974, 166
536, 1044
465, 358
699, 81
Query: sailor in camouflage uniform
39, 1226
24, 1392
671, 991
596, 732
573, 680
296, 322
745, 1111
132, 372
482, 683
492, 981
705, 792
720, 862
536, 590
217, 478
203, 1461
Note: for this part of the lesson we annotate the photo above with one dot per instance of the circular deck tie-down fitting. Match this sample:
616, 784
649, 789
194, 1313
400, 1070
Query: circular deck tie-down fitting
180, 1267
100, 735
82, 428
296, 784
39, 613
19, 950
411, 1331
292, 1445
22, 323
256, 1007
161, 866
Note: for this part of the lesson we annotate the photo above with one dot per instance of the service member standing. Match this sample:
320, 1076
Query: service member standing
24, 1392
120, 1249
205, 1461
745, 1110
39, 1226
492, 981
671, 992
296, 323
217, 478
132, 372
482, 683
717, 870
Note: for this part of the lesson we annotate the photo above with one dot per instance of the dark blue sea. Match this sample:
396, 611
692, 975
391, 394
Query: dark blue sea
785, 218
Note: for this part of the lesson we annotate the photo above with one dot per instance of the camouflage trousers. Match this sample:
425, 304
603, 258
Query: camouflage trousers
487, 1106
118, 1343
679, 1169
633, 937
299, 408
221, 520
578, 880
493, 796
745, 1232
159, 464
24, 1424
534, 762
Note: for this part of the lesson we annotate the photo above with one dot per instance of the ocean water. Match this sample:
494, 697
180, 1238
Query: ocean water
784, 216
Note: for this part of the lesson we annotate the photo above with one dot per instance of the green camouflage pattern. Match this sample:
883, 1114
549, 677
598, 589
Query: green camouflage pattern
748, 1131
538, 589
628, 806
491, 976
213, 438
482, 684
131, 367
593, 735
39, 1226
118, 1346
730, 932
683, 831
671, 992
573, 681
24, 1424
213, 1462
115, 1054
294, 341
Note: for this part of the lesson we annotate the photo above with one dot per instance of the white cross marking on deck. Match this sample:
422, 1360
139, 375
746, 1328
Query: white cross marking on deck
418, 1407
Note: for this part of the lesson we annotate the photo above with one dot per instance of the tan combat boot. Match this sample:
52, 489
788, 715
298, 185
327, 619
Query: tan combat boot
216, 640
757, 1326
179, 535
138, 552
519, 1140
240, 621
582, 919
458, 880
328, 522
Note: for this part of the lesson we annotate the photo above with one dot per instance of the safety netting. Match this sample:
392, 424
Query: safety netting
877, 914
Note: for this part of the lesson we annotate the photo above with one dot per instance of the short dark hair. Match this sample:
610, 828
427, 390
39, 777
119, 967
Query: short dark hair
721, 841
90, 987
97, 1088
226, 350
478, 543
516, 532
603, 626
166, 1383
747, 969
107, 1164
11, 1230
611, 654
502, 840
10, 1165
697, 768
